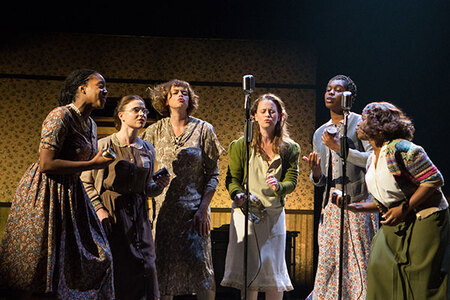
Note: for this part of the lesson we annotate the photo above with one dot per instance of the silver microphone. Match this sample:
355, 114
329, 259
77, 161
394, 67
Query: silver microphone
248, 83
346, 101
332, 130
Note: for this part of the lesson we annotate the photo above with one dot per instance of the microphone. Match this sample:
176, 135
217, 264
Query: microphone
346, 100
332, 130
248, 82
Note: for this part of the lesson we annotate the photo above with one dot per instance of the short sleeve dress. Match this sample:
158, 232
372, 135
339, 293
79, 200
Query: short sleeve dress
183, 257
53, 241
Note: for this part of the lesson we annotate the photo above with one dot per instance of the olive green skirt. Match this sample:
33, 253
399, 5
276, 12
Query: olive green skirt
411, 260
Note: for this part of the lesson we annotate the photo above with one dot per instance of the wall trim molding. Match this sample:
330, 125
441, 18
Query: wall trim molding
153, 81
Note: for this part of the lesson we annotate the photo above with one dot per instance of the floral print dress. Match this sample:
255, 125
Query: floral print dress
53, 241
359, 228
183, 257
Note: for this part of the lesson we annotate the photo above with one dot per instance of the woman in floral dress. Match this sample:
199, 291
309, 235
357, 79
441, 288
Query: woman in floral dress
53, 241
325, 163
189, 149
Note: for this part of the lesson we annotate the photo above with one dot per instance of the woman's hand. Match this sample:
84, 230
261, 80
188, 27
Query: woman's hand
355, 207
395, 215
105, 220
313, 161
331, 141
272, 182
202, 221
162, 181
336, 198
239, 199
99, 161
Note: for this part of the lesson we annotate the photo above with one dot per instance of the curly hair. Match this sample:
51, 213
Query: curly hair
349, 85
383, 121
120, 105
161, 92
75, 79
281, 130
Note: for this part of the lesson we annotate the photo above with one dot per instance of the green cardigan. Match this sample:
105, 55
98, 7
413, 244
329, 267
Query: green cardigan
237, 169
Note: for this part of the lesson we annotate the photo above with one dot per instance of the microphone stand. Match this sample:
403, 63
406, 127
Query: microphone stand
248, 136
345, 198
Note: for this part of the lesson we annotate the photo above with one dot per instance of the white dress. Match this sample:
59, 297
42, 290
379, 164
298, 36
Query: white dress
266, 263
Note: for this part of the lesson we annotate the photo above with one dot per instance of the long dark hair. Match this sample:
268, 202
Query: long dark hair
71, 84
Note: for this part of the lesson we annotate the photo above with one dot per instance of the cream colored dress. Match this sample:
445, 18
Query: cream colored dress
267, 270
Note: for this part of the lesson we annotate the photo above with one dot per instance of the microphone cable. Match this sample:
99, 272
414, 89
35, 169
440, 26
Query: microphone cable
259, 256
354, 253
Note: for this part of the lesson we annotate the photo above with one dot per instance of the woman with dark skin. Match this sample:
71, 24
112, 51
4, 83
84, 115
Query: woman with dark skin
409, 254
325, 163
53, 242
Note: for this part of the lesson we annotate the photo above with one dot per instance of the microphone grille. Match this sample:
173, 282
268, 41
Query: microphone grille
248, 82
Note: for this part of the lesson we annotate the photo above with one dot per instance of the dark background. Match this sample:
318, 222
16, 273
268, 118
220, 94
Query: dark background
395, 51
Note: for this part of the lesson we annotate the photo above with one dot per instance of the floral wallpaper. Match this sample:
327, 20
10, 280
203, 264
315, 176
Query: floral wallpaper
34, 66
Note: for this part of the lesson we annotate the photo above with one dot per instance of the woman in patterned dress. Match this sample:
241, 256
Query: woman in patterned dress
119, 195
325, 164
54, 242
409, 256
273, 172
189, 149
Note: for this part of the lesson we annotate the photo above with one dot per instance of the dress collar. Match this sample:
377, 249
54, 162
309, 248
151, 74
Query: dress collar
83, 122
138, 144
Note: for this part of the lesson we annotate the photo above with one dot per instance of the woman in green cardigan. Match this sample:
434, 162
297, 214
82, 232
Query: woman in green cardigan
273, 169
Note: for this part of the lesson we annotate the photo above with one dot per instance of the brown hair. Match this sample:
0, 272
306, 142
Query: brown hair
120, 105
159, 95
281, 131
383, 121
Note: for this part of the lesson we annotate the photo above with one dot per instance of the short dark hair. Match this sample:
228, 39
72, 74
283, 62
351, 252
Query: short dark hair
75, 79
349, 84
119, 107
383, 121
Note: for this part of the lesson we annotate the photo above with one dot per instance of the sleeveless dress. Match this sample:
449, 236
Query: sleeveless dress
53, 241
